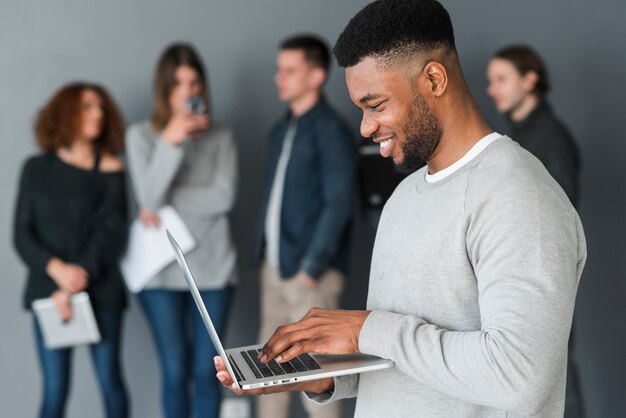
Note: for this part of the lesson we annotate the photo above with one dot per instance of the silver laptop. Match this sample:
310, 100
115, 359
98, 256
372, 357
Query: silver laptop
249, 373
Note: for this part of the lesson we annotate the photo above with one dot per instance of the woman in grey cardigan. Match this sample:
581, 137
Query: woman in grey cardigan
181, 158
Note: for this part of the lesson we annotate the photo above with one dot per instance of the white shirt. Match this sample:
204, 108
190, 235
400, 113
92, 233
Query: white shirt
469, 156
274, 206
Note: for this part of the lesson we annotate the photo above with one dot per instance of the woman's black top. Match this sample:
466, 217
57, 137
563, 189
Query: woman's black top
79, 216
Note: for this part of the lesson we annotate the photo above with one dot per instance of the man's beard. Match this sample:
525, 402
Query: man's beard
422, 134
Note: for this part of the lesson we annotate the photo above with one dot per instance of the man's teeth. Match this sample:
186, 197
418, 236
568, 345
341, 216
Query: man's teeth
385, 144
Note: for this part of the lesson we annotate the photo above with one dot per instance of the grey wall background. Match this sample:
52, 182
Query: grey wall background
46, 44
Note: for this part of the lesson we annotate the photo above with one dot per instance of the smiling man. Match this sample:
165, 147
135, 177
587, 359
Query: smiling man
478, 255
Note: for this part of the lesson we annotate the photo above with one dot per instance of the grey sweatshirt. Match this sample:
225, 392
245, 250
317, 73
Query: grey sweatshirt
472, 290
199, 179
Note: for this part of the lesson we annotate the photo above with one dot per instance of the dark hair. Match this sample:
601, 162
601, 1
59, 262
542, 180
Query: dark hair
316, 51
395, 28
526, 59
59, 122
175, 56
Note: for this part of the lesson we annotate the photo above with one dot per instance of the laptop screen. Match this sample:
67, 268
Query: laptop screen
180, 257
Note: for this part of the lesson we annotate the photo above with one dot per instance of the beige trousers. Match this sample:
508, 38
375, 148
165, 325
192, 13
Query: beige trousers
284, 301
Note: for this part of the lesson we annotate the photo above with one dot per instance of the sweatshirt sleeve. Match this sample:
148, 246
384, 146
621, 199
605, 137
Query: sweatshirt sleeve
152, 166
527, 250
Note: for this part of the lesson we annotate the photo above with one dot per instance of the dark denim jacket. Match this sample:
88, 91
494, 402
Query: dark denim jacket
318, 196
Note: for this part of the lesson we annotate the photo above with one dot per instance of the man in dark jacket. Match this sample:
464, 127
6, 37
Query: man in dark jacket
518, 83
307, 203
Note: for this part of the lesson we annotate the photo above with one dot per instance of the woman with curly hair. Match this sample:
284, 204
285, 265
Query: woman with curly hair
70, 230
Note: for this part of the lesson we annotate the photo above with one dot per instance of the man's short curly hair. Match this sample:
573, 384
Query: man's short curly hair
395, 29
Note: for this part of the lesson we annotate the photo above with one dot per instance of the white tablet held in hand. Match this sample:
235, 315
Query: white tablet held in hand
57, 333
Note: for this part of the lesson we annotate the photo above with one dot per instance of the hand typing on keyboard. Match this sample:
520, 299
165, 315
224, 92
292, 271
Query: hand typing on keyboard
321, 331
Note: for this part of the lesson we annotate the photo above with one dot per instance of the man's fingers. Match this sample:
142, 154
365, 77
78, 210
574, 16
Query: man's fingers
313, 312
314, 386
284, 337
223, 376
294, 344
228, 382
291, 334
301, 347
220, 367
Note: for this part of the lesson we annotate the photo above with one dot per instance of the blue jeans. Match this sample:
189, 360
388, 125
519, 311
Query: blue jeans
185, 349
56, 369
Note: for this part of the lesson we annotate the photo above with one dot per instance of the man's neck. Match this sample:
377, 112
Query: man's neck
304, 103
523, 109
460, 133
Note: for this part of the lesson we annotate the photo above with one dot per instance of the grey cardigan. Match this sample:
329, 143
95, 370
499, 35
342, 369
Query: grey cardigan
199, 179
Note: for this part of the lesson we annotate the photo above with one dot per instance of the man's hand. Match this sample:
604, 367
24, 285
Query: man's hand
308, 280
312, 386
321, 331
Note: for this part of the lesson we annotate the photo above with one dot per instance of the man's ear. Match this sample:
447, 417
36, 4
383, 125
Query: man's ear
436, 78
529, 81
317, 77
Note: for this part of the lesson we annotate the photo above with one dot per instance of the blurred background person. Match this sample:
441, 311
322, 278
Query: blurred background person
302, 234
182, 158
518, 84
70, 230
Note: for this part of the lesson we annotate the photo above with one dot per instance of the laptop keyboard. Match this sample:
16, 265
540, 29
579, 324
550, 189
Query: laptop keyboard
301, 363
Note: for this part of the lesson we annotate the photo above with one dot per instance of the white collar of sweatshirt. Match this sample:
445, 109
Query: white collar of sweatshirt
469, 156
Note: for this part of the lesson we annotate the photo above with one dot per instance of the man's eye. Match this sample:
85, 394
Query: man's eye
377, 106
